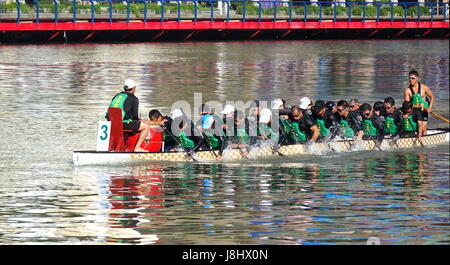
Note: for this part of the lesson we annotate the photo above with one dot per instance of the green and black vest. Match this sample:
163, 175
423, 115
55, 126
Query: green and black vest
345, 129
409, 124
118, 102
185, 141
323, 130
212, 140
267, 132
369, 129
389, 126
295, 134
417, 98
242, 135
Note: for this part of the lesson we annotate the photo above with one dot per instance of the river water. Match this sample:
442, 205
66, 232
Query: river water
54, 95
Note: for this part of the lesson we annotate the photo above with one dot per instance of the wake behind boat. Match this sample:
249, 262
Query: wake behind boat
434, 137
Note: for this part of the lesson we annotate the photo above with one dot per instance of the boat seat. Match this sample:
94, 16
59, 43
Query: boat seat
117, 138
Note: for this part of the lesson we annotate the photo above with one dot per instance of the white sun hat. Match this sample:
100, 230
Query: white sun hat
129, 84
277, 103
265, 116
176, 113
228, 109
304, 103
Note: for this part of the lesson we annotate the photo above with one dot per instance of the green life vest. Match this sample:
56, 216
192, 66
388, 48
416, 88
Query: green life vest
417, 100
286, 126
267, 132
242, 135
185, 141
369, 129
212, 140
409, 124
389, 126
295, 134
117, 102
346, 130
322, 129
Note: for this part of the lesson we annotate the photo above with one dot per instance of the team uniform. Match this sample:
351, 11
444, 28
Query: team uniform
129, 104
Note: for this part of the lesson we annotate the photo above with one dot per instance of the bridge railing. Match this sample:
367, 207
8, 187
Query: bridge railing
56, 11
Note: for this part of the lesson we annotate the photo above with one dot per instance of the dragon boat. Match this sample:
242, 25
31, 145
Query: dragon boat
117, 153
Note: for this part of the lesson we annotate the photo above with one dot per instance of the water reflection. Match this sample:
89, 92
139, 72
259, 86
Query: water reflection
395, 197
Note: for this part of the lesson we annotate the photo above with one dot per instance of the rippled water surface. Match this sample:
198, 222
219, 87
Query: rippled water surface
54, 95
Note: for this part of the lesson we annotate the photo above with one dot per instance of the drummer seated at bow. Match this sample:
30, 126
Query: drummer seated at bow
373, 126
350, 122
303, 128
166, 123
410, 126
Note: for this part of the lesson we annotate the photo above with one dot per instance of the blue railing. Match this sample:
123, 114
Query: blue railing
213, 10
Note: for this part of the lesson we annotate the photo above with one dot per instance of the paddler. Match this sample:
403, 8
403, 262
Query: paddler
393, 124
417, 93
244, 136
325, 121
373, 126
303, 127
129, 104
210, 125
228, 119
186, 135
279, 110
350, 122
410, 126
265, 132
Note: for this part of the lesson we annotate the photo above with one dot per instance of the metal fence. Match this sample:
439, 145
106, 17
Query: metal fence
162, 11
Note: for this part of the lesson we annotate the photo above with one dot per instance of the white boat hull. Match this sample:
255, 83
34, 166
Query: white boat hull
81, 158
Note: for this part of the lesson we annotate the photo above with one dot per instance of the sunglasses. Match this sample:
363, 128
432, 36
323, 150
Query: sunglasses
296, 116
366, 114
412, 78
340, 110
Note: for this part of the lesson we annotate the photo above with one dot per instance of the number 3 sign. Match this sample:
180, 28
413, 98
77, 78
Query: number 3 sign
104, 129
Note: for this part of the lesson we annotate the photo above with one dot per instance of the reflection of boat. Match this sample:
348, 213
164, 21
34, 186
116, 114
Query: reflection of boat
93, 157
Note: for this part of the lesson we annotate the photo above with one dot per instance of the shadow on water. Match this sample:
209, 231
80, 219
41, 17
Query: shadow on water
396, 198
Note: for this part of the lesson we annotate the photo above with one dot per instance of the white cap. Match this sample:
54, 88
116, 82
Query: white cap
265, 116
304, 103
129, 84
228, 109
277, 103
176, 113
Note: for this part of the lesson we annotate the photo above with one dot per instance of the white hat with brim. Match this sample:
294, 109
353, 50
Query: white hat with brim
304, 103
176, 113
277, 103
265, 116
129, 84
228, 109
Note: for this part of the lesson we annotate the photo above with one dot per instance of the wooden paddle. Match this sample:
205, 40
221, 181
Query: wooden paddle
440, 117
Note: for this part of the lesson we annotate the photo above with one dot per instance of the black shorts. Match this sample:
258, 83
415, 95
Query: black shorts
133, 125
419, 115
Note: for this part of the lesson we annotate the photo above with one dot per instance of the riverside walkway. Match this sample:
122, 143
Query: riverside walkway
77, 21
